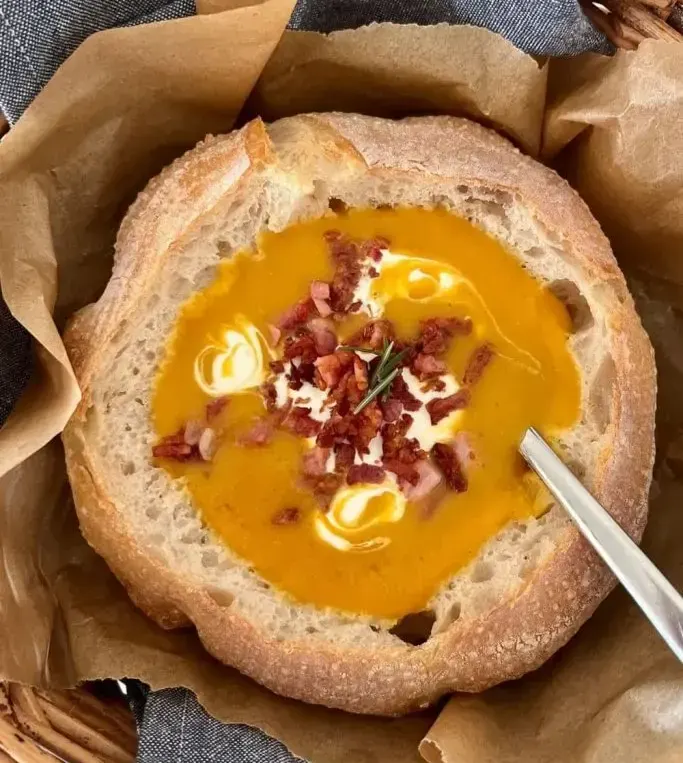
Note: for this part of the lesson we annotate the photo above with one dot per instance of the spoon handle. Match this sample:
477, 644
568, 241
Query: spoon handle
652, 592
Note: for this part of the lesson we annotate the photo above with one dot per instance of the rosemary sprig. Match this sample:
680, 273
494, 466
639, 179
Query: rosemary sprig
372, 393
378, 373
387, 369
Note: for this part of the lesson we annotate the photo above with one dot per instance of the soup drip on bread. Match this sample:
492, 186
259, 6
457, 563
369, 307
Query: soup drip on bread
344, 403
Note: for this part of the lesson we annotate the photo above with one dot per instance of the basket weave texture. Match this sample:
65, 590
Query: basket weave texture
75, 726
627, 23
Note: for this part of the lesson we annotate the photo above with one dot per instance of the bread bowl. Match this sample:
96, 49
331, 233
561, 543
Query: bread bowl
527, 581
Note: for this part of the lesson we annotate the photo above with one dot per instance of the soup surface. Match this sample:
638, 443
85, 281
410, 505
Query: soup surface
306, 481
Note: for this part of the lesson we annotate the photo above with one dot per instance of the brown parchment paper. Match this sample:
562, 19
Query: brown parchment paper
121, 107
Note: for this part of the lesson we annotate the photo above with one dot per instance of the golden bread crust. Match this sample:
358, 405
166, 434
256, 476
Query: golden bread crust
470, 655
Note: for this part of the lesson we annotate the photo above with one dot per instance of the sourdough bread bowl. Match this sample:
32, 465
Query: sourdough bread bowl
531, 585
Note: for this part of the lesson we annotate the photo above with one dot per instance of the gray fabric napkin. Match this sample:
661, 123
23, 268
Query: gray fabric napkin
35, 37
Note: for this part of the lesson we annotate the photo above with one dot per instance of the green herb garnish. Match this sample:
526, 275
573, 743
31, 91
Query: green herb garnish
372, 393
386, 371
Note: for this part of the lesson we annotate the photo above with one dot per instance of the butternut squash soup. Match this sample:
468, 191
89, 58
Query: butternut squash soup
344, 403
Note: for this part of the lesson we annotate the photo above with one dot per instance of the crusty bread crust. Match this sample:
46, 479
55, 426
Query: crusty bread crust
471, 654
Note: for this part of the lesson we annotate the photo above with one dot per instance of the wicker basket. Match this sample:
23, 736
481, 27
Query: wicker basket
76, 726
628, 23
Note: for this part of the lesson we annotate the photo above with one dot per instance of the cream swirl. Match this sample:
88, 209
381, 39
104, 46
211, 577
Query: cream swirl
234, 365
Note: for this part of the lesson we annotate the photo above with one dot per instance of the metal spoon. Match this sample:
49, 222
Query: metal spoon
652, 592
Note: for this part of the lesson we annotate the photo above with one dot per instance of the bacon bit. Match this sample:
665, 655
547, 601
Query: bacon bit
373, 272
320, 290
324, 486
449, 464
344, 455
373, 247
429, 478
391, 409
260, 433
400, 391
348, 257
360, 373
436, 333
373, 334
313, 463
208, 444
434, 385
365, 473
302, 346
329, 368
426, 366
275, 334
277, 366
354, 307
269, 396
193, 431
368, 421
440, 407
176, 451
296, 315
215, 407
324, 338
406, 473
289, 516
295, 381
399, 453
478, 361
299, 422
323, 308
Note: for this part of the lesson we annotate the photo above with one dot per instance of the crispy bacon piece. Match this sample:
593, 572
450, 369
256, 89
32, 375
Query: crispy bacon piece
175, 451
324, 338
478, 361
288, 516
434, 385
360, 373
436, 333
344, 454
320, 294
429, 478
401, 454
400, 391
313, 462
299, 421
193, 431
329, 369
269, 396
449, 464
439, 407
391, 409
302, 346
365, 473
324, 486
406, 473
320, 290
373, 334
296, 315
277, 366
426, 366
260, 433
215, 407
208, 444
